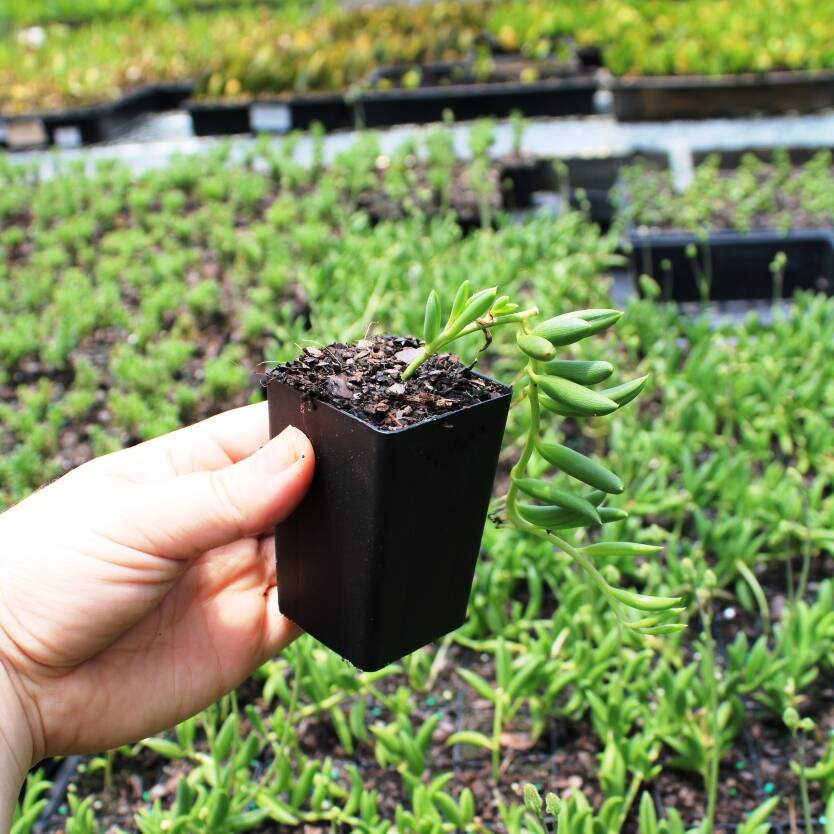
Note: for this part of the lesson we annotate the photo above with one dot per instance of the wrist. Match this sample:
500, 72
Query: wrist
16, 744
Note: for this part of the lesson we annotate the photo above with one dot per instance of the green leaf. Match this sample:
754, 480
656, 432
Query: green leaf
571, 395
563, 330
536, 347
533, 800
648, 815
599, 319
432, 319
551, 518
163, 747
474, 309
580, 371
545, 491
461, 297
558, 408
449, 808
218, 809
277, 810
470, 737
624, 393
620, 549
580, 467
609, 514
644, 602
478, 684
223, 741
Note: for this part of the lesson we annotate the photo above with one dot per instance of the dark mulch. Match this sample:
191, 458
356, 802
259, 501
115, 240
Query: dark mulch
364, 380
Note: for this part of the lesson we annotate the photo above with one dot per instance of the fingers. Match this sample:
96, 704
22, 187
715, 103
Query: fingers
190, 514
210, 444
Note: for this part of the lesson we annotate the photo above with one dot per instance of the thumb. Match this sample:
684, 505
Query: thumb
203, 510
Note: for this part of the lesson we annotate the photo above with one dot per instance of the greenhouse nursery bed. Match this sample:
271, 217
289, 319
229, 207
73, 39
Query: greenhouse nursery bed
133, 304
761, 230
662, 98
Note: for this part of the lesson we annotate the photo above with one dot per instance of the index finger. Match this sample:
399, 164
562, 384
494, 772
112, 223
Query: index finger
210, 444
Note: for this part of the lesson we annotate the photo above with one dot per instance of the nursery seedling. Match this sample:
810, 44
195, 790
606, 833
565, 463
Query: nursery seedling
547, 383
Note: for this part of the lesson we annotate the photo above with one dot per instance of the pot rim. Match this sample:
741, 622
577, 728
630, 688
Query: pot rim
505, 393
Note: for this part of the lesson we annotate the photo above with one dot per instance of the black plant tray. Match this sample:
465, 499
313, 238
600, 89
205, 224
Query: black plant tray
569, 94
595, 176
330, 110
740, 263
702, 96
94, 123
378, 559
218, 118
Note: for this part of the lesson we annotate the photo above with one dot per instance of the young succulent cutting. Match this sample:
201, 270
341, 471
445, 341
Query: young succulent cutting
548, 384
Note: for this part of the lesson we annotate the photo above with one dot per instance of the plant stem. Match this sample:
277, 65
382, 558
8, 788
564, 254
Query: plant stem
445, 338
711, 775
803, 786
497, 724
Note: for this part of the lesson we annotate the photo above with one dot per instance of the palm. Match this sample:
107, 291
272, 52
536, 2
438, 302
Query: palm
137, 619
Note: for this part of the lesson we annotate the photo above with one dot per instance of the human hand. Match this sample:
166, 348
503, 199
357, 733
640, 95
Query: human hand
139, 588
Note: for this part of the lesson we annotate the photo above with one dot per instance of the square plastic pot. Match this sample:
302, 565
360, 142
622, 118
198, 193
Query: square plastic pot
378, 558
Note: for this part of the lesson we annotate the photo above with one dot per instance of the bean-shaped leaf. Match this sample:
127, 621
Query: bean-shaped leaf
664, 628
461, 297
478, 684
163, 747
432, 318
619, 549
277, 810
644, 602
558, 408
474, 309
545, 491
575, 396
536, 347
609, 514
551, 518
579, 370
599, 319
223, 741
624, 393
470, 737
580, 467
563, 330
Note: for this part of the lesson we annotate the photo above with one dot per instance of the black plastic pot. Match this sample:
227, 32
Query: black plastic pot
702, 96
218, 118
447, 89
378, 559
740, 263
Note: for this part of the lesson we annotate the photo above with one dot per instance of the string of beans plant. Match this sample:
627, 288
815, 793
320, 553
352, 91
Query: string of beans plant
562, 387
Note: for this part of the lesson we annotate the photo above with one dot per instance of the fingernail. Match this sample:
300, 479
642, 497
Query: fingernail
283, 450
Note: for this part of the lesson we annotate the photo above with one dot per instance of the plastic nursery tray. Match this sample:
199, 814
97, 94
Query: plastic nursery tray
378, 558
548, 97
701, 96
218, 118
94, 123
595, 176
740, 263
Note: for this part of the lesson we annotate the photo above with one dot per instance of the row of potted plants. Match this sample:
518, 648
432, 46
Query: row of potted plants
254, 52
132, 304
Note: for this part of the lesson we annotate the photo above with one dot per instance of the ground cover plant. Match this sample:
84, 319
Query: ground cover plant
758, 194
259, 49
22, 13
131, 305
